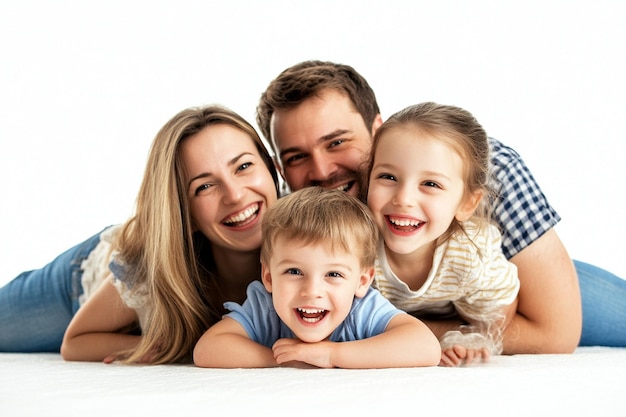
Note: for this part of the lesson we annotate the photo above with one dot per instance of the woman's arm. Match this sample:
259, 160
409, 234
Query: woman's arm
95, 332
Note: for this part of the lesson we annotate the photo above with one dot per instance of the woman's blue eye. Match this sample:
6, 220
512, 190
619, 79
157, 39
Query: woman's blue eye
244, 166
201, 188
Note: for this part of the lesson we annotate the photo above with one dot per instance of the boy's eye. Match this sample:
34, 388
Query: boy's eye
293, 271
431, 184
334, 274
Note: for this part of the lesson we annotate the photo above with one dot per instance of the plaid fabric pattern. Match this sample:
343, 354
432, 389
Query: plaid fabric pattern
519, 208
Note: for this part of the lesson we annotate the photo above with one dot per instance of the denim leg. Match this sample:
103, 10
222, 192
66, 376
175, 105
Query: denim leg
604, 306
37, 306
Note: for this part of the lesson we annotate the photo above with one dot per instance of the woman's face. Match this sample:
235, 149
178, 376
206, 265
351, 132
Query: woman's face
228, 185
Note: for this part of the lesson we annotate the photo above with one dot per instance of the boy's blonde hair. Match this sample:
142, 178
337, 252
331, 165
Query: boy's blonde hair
316, 215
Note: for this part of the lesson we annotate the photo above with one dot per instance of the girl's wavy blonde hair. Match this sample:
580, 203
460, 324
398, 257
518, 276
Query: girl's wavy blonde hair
159, 249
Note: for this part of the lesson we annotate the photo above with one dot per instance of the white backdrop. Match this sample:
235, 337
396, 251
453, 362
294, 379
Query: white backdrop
85, 86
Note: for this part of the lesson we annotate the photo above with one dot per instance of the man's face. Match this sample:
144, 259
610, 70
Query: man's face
323, 141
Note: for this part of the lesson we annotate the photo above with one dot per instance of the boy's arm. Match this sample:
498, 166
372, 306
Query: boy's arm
227, 345
96, 331
406, 342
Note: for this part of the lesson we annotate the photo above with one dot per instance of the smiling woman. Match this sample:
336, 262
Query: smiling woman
145, 291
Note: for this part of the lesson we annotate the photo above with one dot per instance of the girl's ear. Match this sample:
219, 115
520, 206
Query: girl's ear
266, 277
468, 207
365, 280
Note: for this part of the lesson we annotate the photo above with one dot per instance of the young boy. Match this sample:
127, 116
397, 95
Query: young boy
315, 306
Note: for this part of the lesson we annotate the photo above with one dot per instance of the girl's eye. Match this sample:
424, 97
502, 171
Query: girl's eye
385, 176
293, 271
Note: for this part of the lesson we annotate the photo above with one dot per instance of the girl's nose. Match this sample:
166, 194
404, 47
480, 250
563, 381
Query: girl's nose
405, 196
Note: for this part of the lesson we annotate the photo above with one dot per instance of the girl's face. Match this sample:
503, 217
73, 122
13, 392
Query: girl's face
228, 185
416, 189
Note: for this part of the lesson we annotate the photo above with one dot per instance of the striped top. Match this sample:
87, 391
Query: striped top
468, 278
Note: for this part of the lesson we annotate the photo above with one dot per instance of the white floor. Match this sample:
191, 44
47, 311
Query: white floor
588, 383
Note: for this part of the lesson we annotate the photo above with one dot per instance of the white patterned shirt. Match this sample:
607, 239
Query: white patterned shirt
472, 279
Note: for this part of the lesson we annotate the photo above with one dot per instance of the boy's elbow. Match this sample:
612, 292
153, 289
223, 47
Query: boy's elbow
201, 357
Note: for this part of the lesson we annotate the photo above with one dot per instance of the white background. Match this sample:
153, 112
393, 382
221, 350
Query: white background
85, 86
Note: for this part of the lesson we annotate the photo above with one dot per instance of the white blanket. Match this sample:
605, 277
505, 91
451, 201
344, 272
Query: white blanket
590, 382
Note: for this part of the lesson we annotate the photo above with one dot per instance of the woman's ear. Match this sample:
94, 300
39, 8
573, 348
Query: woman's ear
365, 280
468, 207
266, 277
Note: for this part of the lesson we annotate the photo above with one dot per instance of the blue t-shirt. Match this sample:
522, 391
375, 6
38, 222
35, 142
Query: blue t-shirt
368, 317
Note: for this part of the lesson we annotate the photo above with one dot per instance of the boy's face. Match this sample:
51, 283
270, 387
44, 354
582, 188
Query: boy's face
312, 287
322, 141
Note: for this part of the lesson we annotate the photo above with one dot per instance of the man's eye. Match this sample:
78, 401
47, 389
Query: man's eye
335, 143
294, 158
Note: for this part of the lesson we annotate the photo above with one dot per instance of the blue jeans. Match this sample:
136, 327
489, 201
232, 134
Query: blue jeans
604, 306
37, 306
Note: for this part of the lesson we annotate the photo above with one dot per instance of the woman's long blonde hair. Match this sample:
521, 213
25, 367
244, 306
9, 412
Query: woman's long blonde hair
159, 249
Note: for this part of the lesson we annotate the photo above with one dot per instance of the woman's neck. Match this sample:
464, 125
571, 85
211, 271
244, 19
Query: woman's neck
235, 270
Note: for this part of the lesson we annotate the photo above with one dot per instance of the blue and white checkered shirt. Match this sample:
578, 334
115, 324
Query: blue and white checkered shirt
521, 210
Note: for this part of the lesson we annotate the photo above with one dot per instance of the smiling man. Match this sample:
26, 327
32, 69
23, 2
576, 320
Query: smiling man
320, 118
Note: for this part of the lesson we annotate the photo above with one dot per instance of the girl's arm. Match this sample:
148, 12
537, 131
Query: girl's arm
406, 342
227, 345
476, 340
95, 332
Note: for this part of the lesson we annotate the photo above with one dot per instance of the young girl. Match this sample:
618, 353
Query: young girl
439, 255
148, 289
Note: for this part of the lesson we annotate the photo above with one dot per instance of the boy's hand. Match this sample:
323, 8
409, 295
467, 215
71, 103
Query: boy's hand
293, 352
